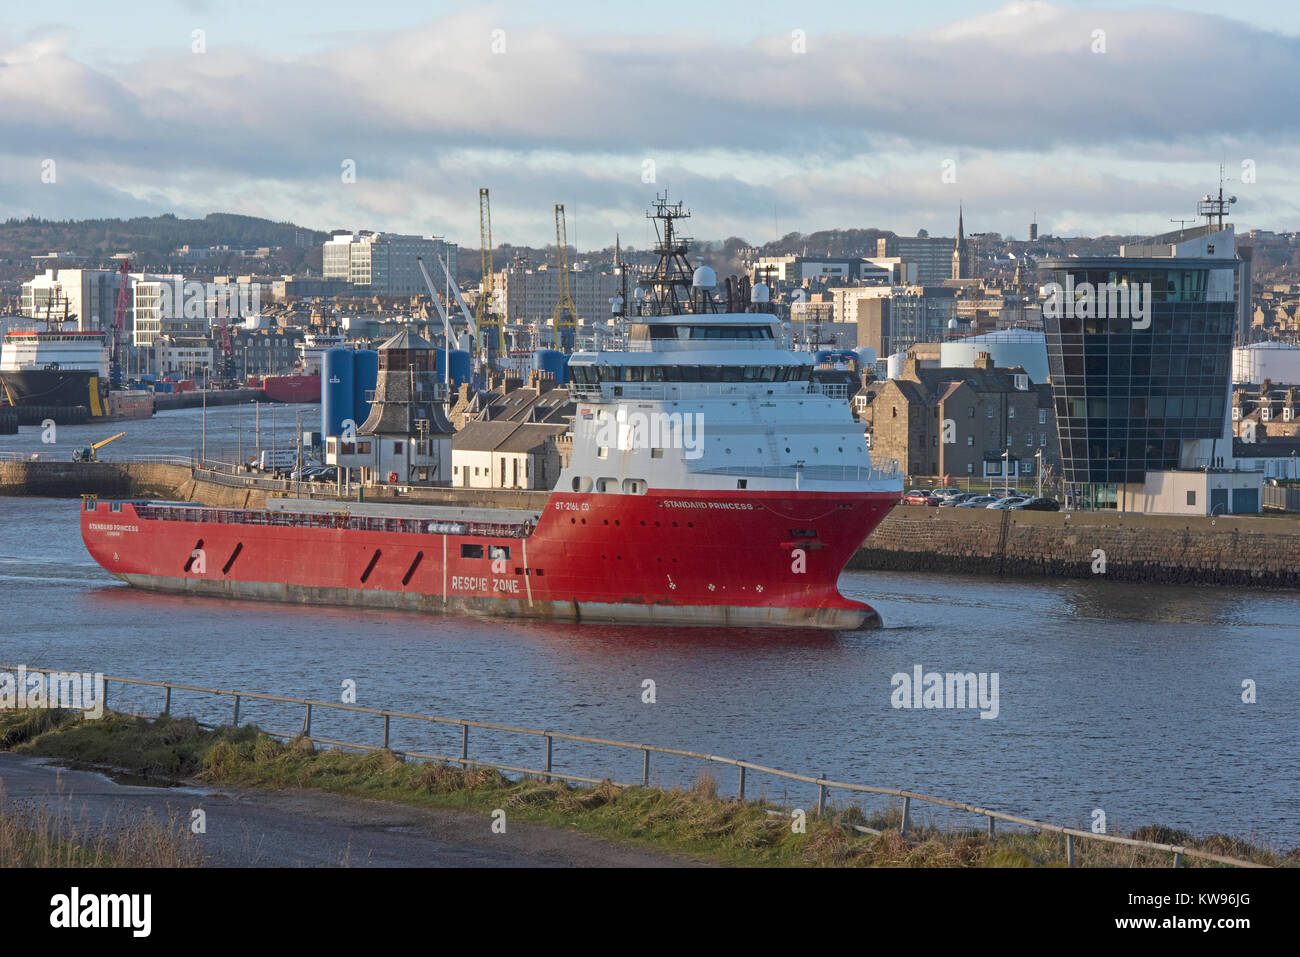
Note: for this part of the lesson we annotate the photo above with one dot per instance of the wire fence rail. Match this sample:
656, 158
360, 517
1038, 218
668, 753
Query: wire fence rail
547, 773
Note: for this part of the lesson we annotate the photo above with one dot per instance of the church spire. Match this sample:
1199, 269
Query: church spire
960, 270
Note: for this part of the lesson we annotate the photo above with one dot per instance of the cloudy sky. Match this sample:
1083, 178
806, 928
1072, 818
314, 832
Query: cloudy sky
765, 116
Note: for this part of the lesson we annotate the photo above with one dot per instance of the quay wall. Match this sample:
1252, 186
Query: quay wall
1262, 550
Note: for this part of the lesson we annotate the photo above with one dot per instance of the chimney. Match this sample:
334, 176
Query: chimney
984, 362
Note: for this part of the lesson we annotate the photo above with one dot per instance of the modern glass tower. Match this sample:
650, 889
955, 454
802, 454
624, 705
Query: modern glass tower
1139, 349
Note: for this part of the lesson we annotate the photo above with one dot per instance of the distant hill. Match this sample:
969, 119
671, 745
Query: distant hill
152, 237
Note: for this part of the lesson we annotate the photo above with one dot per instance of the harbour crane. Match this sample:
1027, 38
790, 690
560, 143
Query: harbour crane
565, 315
485, 314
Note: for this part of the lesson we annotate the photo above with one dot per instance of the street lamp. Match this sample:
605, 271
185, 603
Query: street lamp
1039, 457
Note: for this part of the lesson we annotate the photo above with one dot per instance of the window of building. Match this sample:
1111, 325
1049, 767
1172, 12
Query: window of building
1026, 468
970, 412
1029, 440
970, 468
1191, 496
602, 452
1042, 416
895, 411
397, 448
1042, 440
990, 412
970, 441
1011, 412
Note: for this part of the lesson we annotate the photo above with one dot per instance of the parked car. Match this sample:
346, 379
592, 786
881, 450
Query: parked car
916, 497
977, 501
1039, 505
1007, 502
326, 473
941, 495
1004, 492
954, 500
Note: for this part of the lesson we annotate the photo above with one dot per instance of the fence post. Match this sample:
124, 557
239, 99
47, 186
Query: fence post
1178, 859
1069, 850
385, 732
907, 816
548, 757
645, 768
464, 745
307, 729
821, 794
167, 702
992, 835
741, 794
236, 722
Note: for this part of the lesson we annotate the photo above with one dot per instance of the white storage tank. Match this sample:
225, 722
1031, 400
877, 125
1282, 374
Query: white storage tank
1275, 361
894, 365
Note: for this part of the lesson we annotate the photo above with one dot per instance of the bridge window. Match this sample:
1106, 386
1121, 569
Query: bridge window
471, 551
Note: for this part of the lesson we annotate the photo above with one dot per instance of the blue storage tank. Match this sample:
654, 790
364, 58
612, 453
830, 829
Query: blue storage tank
554, 362
821, 356
461, 366
866, 357
365, 374
336, 392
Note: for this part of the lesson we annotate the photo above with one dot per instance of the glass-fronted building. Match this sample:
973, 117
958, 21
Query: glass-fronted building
1139, 350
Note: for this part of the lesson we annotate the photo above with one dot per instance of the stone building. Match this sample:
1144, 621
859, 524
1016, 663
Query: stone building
961, 423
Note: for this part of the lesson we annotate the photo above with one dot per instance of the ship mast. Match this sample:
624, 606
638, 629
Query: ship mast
668, 286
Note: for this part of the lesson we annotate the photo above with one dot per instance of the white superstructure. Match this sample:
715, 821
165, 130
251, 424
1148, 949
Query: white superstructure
711, 401
64, 351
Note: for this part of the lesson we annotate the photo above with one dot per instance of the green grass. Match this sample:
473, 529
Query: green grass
689, 822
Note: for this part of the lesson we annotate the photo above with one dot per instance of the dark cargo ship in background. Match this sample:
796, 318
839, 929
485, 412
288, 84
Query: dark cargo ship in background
63, 376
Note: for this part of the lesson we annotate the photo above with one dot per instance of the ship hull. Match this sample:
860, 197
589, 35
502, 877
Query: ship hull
54, 389
679, 558
292, 388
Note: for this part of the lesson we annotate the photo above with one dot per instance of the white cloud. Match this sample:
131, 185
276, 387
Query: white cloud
850, 133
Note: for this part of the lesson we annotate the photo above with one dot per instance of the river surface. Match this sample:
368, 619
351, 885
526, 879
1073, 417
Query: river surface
231, 430
1114, 697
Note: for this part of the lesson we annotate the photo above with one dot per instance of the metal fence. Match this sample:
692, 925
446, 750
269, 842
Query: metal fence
1282, 497
547, 772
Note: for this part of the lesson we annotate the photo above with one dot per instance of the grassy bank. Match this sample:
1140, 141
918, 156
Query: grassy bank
693, 822
46, 834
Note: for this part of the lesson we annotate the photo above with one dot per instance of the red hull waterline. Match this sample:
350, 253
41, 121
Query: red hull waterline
682, 558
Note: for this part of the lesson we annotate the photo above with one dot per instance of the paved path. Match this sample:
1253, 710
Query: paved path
251, 827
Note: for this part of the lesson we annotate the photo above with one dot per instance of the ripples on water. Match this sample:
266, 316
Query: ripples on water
1112, 696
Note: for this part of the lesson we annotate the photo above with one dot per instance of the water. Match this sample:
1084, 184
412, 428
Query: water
1112, 696
177, 432
1119, 697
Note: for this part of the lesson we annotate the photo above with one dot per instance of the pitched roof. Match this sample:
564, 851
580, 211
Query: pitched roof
504, 435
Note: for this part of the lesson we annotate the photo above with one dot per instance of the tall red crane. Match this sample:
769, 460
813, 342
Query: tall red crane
123, 291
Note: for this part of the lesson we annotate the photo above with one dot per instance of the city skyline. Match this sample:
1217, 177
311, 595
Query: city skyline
782, 126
